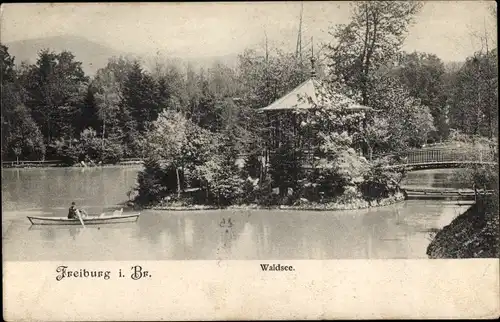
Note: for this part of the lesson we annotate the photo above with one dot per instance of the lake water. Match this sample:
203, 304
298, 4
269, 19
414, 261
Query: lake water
440, 178
397, 231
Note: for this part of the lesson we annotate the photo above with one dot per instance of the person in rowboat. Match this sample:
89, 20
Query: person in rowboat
73, 212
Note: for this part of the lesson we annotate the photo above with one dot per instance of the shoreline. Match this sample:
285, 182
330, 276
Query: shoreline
59, 164
473, 234
45, 166
305, 207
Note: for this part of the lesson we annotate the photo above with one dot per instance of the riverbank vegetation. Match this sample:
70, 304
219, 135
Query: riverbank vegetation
475, 233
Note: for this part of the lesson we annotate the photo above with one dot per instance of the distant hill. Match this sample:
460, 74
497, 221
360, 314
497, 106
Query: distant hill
95, 55
92, 55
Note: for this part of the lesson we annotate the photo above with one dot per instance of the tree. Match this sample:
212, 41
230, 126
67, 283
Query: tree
88, 115
92, 148
372, 39
175, 141
154, 182
220, 177
8, 74
24, 139
265, 78
376, 135
108, 85
56, 85
474, 96
409, 122
138, 107
423, 76
203, 110
10, 95
222, 81
139, 97
163, 94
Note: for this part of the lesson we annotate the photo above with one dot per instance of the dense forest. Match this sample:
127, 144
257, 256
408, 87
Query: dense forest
51, 110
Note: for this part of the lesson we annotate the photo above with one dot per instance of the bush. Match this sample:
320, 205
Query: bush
334, 174
111, 153
99, 149
69, 153
457, 136
250, 189
379, 183
88, 147
480, 176
264, 194
155, 182
221, 179
350, 194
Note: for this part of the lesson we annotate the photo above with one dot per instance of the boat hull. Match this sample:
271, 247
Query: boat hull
91, 220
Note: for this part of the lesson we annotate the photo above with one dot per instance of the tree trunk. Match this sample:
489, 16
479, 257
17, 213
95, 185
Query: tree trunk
48, 130
364, 60
475, 192
178, 182
103, 132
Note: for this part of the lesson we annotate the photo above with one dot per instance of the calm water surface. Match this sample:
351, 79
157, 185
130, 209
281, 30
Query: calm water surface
397, 231
440, 178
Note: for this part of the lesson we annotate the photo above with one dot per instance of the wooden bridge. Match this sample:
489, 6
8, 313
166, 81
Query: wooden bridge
443, 193
439, 158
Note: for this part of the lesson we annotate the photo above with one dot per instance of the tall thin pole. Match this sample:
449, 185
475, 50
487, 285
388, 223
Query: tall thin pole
267, 52
266, 71
313, 70
269, 130
298, 49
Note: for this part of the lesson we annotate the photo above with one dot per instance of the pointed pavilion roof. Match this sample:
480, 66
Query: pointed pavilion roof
312, 89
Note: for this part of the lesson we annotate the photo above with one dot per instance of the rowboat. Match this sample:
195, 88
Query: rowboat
88, 220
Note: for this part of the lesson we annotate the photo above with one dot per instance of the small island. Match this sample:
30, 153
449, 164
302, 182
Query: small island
304, 151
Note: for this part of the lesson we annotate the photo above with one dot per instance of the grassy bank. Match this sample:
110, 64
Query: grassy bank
473, 234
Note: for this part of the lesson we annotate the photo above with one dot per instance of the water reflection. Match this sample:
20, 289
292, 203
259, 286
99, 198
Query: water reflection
399, 231
49, 188
188, 232
436, 178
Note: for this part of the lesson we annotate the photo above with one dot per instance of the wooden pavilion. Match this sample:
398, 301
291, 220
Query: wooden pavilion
287, 115
289, 119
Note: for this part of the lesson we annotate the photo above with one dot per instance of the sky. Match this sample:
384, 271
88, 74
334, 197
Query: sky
445, 28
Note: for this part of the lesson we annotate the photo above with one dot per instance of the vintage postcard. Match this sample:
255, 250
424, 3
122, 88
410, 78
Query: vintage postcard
250, 160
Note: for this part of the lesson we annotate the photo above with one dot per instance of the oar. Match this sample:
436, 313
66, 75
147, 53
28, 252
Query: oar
80, 217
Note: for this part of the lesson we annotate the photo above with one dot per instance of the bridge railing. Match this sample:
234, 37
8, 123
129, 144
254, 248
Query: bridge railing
424, 156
